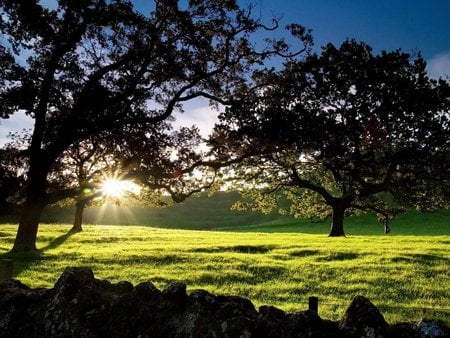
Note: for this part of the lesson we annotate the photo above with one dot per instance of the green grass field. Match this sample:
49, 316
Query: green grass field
213, 213
405, 274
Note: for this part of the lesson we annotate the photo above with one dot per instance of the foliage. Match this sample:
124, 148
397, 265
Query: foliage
11, 177
92, 67
343, 131
402, 275
13, 169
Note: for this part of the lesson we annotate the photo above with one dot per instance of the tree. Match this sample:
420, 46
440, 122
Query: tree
341, 132
13, 169
92, 66
81, 168
146, 167
163, 156
11, 177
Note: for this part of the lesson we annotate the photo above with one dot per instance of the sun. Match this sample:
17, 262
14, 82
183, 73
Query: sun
113, 188
118, 188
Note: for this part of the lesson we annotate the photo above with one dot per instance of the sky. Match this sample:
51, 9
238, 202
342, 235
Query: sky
411, 25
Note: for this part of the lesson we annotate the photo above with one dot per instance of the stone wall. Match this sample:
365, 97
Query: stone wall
81, 306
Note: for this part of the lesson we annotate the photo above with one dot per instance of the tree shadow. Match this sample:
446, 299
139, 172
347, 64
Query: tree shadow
23, 260
57, 241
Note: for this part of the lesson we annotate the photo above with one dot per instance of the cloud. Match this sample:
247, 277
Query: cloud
16, 123
439, 66
200, 115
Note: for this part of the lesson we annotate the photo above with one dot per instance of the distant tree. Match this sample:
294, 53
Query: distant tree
81, 169
91, 66
13, 170
150, 165
12, 178
342, 132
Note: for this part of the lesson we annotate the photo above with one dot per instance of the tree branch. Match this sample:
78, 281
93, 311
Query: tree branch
301, 183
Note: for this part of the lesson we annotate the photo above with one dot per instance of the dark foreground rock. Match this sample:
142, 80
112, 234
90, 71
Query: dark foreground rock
81, 306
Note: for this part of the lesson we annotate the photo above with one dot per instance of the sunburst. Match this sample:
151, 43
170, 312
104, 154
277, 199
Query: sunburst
116, 188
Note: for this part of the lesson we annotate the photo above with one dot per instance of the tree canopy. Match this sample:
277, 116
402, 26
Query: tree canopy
11, 177
340, 132
94, 66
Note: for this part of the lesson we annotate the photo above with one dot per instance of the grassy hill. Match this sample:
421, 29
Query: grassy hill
411, 223
197, 212
214, 213
405, 276
270, 259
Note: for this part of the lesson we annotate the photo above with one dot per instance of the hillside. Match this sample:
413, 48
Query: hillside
200, 212
214, 213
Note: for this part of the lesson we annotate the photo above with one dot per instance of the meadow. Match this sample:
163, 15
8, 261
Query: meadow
405, 274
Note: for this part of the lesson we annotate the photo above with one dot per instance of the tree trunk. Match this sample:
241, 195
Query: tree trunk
28, 226
337, 224
79, 209
35, 202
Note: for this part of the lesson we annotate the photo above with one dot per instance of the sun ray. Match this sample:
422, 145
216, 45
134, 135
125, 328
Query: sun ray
128, 214
101, 212
117, 188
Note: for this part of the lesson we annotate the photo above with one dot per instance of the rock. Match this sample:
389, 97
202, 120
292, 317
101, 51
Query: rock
176, 291
432, 328
270, 322
362, 319
237, 315
424, 328
124, 287
75, 278
11, 289
17, 307
271, 312
74, 306
309, 324
147, 291
175, 297
232, 306
404, 330
81, 306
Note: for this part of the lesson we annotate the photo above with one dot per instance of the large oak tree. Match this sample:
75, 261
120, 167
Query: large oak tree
347, 130
91, 66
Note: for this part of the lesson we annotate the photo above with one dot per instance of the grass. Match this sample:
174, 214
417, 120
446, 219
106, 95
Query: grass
213, 213
198, 213
406, 276
411, 223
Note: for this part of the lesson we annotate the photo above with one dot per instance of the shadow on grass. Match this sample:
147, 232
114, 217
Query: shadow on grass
422, 259
57, 241
246, 249
23, 260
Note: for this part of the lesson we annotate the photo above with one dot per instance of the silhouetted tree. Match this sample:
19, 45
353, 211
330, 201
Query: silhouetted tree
91, 66
12, 180
13, 170
340, 132
77, 176
80, 169
153, 164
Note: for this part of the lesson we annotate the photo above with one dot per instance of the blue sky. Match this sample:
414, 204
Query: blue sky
383, 24
412, 25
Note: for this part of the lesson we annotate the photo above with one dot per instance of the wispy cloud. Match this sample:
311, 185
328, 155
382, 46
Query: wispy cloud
439, 66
